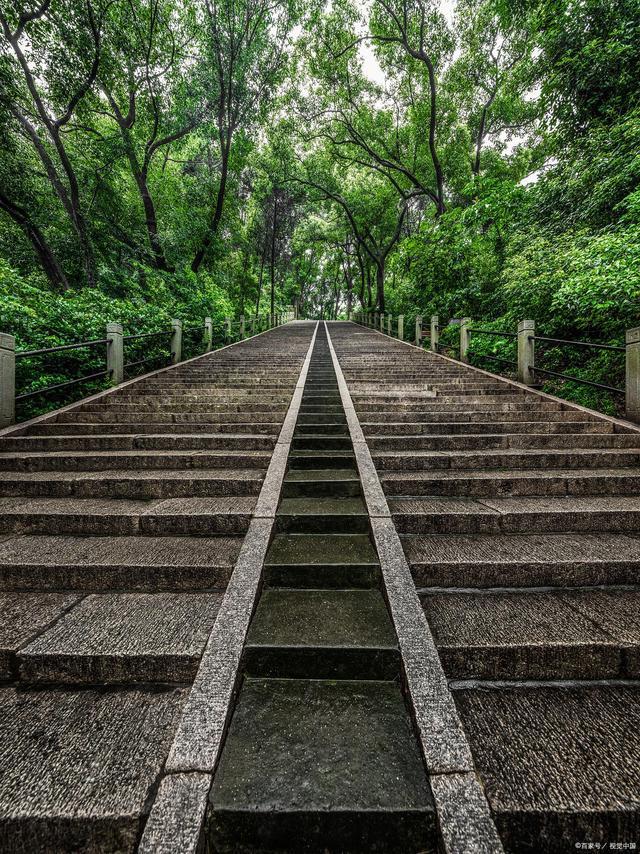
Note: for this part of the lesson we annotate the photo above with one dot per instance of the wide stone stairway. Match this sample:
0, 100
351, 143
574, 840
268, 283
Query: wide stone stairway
120, 523
520, 518
319, 591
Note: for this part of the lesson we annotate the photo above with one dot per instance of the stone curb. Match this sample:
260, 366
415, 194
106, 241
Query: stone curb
197, 744
47, 416
464, 817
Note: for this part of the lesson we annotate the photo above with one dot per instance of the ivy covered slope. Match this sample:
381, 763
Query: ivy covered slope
185, 158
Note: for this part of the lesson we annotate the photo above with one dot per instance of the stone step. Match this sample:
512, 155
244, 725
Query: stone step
68, 758
320, 442
299, 459
503, 441
161, 442
431, 406
117, 410
319, 515
530, 415
321, 561
316, 483
322, 634
326, 429
614, 514
523, 560
104, 517
560, 765
136, 460
331, 764
136, 485
134, 428
506, 459
474, 428
123, 638
518, 482
99, 564
241, 419
529, 635
321, 418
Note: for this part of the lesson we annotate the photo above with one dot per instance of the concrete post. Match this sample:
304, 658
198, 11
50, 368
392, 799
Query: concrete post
208, 334
227, 329
176, 341
390, 324
401, 327
115, 353
419, 330
376, 319
632, 383
526, 351
435, 332
253, 325
465, 335
242, 325
8, 379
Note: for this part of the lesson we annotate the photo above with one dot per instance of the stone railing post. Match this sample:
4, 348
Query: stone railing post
418, 331
465, 334
242, 326
401, 327
7, 379
176, 341
390, 324
208, 334
227, 329
435, 332
632, 379
115, 353
526, 351
253, 325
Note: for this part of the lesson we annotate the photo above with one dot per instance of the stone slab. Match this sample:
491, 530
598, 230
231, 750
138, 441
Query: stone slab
23, 616
77, 767
176, 822
560, 765
266, 788
125, 637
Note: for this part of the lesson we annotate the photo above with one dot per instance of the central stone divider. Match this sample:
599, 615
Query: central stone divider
465, 822
321, 753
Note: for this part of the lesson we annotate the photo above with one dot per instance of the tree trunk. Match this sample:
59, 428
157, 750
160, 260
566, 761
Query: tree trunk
273, 253
380, 284
217, 214
45, 254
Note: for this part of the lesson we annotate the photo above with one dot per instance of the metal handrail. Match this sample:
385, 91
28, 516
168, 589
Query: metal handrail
577, 380
21, 354
146, 335
493, 332
616, 347
495, 359
144, 361
62, 385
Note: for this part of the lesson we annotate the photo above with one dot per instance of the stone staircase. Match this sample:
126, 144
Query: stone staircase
120, 522
212, 638
520, 519
321, 754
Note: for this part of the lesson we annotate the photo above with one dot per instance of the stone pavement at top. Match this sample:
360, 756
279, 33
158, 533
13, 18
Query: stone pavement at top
121, 520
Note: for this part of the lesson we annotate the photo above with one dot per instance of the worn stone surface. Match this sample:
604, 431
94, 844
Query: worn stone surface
117, 563
465, 822
560, 765
127, 637
66, 760
522, 635
22, 617
176, 822
516, 560
322, 634
266, 775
